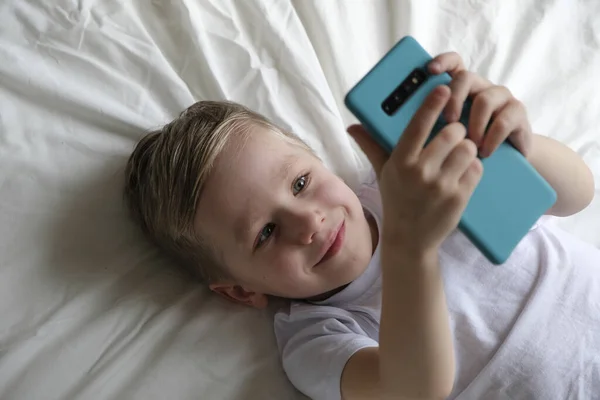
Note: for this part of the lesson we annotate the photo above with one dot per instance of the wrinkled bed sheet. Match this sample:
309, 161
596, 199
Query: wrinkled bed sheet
88, 309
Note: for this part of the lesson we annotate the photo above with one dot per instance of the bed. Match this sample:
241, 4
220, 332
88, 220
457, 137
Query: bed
90, 310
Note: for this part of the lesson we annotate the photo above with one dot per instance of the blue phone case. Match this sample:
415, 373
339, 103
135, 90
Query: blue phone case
511, 195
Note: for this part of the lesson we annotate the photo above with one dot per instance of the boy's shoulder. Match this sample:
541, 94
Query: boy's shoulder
307, 312
298, 316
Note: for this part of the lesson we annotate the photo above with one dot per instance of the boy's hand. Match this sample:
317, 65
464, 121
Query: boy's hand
424, 190
489, 102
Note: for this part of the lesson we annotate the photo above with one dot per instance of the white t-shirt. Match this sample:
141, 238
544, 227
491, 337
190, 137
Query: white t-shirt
527, 329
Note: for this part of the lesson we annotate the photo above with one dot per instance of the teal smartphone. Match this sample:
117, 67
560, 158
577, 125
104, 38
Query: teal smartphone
511, 195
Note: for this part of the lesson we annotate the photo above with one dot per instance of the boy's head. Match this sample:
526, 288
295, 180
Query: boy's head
246, 206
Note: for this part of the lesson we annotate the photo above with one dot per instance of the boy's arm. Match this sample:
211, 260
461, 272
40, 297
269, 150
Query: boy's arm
415, 357
360, 378
422, 203
566, 172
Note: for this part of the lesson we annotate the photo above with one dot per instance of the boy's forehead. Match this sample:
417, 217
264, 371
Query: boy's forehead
244, 177
260, 148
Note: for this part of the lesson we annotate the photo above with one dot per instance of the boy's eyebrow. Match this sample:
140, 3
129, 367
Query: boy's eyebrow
289, 162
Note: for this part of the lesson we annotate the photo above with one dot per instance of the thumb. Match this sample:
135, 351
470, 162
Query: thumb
376, 155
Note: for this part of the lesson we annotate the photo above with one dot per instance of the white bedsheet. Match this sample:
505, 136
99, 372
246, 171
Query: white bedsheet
89, 310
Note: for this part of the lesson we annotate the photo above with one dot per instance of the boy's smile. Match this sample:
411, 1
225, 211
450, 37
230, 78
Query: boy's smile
334, 243
282, 223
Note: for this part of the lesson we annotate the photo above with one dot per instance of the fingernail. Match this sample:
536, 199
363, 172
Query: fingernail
435, 66
440, 91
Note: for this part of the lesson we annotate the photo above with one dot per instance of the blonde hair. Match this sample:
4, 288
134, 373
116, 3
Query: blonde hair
167, 172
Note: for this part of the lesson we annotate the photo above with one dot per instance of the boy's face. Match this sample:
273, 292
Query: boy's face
283, 223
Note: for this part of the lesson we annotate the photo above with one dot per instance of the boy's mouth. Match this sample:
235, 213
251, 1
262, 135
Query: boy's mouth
333, 244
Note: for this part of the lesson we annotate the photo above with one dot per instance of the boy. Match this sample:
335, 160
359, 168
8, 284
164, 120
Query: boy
386, 298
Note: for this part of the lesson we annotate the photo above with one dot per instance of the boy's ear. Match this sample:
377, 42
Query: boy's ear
238, 294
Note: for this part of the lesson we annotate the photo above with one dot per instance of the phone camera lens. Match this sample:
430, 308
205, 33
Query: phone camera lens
420, 75
404, 91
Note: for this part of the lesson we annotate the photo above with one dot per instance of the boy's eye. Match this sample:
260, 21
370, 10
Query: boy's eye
300, 184
264, 234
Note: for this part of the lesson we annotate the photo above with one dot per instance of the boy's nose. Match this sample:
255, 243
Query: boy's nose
306, 225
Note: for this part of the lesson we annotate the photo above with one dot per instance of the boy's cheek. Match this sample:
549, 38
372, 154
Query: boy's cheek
336, 192
287, 281
285, 268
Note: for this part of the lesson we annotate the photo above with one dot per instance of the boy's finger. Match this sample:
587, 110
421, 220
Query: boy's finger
459, 159
506, 122
418, 130
463, 85
376, 155
472, 176
460, 87
450, 62
521, 139
436, 152
487, 105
